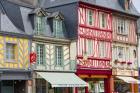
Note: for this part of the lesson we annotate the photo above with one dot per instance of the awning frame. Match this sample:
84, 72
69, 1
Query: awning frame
57, 79
128, 79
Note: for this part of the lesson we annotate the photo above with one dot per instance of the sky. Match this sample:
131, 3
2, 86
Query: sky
137, 4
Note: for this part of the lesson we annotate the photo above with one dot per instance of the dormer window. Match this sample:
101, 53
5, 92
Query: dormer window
39, 20
57, 27
56, 21
40, 23
127, 4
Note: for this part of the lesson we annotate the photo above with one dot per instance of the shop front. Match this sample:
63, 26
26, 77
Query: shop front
55, 82
99, 81
125, 81
14, 81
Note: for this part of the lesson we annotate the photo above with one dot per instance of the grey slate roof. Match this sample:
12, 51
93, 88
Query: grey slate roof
14, 19
110, 4
17, 19
55, 14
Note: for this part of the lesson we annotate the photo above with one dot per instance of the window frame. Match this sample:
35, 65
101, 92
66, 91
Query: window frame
43, 54
39, 25
102, 49
57, 63
90, 47
57, 26
90, 17
103, 20
122, 54
122, 26
14, 52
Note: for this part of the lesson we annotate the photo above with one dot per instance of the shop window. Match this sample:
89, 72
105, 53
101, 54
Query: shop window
40, 54
10, 52
40, 86
122, 87
81, 90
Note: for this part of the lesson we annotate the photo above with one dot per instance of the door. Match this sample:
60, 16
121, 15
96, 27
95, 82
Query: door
7, 86
19, 86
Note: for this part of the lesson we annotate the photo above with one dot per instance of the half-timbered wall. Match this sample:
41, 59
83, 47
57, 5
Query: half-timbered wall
50, 59
124, 30
124, 56
94, 37
21, 51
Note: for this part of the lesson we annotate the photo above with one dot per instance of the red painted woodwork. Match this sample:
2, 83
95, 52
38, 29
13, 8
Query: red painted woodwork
93, 72
97, 34
98, 63
107, 83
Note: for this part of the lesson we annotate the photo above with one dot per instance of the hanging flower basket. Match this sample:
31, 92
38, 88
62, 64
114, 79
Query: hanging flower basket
116, 61
129, 63
123, 62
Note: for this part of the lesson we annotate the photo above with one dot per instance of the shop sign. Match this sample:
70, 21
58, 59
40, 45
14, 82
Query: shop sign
122, 72
32, 58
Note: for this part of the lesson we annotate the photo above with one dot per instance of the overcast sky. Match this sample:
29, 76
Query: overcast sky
137, 4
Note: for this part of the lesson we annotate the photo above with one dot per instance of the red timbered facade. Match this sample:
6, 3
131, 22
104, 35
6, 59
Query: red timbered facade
94, 46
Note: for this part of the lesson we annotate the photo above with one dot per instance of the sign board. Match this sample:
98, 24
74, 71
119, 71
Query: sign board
32, 57
125, 72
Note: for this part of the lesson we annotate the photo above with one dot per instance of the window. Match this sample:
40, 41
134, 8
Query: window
90, 17
114, 51
90, 47
40, 25
103, 20
127, 54
120, 52
102, 49
121, 26
59, 55
57, 27
40, 53
10, 51
134, 53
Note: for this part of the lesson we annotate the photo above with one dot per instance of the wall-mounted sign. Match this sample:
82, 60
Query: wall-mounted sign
124, 72
33, 58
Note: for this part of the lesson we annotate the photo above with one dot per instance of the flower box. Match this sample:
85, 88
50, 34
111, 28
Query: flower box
123, 62
116, 61
129, 63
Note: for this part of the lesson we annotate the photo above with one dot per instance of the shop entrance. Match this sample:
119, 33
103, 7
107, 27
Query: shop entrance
12, 86
95, 86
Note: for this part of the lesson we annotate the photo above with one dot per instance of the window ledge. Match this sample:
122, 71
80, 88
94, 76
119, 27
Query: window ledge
122, 34
10, 60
